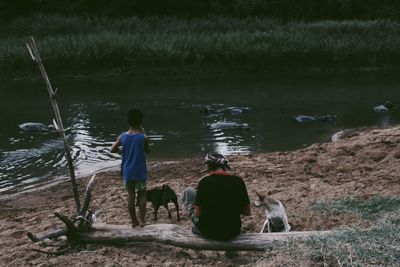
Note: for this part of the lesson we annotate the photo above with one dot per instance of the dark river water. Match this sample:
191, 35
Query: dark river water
176, 120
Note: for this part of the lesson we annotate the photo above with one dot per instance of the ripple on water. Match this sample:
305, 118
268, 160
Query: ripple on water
35, 158
25, 166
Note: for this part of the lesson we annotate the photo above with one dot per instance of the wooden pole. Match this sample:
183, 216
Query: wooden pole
34, 52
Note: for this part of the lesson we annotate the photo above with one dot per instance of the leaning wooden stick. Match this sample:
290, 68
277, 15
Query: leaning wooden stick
34, 52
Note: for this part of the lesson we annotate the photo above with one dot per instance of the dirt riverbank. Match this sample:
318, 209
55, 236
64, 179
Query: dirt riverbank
363, 164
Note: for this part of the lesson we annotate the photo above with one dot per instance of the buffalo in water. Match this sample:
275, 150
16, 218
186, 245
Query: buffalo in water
384, 108
306, 118
221, 125
233, 110
220, 109
35, 127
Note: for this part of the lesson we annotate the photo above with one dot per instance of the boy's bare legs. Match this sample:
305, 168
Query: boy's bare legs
131, 206
142, 207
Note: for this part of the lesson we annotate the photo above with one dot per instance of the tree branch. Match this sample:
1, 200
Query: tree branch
88, 195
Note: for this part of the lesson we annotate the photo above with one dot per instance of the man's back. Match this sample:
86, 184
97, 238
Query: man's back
221, 198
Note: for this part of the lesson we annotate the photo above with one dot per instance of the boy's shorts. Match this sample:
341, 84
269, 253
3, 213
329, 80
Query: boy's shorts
135, 184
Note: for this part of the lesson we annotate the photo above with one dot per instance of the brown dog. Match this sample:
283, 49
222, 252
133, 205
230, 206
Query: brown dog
162, 196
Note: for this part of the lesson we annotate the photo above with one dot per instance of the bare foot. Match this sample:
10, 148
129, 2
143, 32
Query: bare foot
135, 223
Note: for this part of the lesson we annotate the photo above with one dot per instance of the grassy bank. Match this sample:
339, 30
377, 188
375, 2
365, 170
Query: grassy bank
87, 46
375, 246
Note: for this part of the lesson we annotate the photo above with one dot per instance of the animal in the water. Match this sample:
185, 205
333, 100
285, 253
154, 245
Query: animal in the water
208, 111
307, 118
327, 118
347, 133
205, 109
161, 197
304, 118
233, 110
35, 127
276, 217
219, 109
338, 135
384, 108
228, 125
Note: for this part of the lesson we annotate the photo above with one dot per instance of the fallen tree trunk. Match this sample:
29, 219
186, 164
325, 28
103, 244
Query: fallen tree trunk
178, 236
48, 235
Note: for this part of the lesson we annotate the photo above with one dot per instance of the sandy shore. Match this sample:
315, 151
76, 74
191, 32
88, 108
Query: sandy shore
364, 164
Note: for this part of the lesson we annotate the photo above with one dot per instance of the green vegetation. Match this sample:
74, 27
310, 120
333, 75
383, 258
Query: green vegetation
152, 45
367, 209
375, 246
280, 9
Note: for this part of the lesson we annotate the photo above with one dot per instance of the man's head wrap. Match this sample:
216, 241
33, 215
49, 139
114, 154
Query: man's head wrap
216, 161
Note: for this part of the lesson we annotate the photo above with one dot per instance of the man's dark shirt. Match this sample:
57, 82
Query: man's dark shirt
221, 199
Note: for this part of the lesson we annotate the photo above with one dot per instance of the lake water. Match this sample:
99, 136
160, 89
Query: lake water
94, 111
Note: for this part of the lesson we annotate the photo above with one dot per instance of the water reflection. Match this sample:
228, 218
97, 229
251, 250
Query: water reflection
230, 141
26, 165
385, 120
88, 147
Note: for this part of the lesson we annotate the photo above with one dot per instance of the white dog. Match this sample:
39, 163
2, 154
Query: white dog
277, 220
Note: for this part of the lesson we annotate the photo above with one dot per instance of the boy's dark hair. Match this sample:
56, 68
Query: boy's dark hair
134, 117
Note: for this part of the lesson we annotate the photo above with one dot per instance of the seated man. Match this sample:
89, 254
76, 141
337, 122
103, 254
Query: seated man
220, 199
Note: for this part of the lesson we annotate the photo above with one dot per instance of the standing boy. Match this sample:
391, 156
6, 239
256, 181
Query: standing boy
134, 144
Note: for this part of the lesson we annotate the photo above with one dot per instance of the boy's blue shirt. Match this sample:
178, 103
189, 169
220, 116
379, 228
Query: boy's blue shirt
133, 157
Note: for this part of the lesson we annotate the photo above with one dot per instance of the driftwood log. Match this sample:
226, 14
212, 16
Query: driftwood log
171, 234
179, 236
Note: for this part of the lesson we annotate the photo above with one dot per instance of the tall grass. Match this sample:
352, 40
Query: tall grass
80, 45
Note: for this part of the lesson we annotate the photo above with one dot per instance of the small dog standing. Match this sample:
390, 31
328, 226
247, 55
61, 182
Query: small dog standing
162, 196
276, 220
